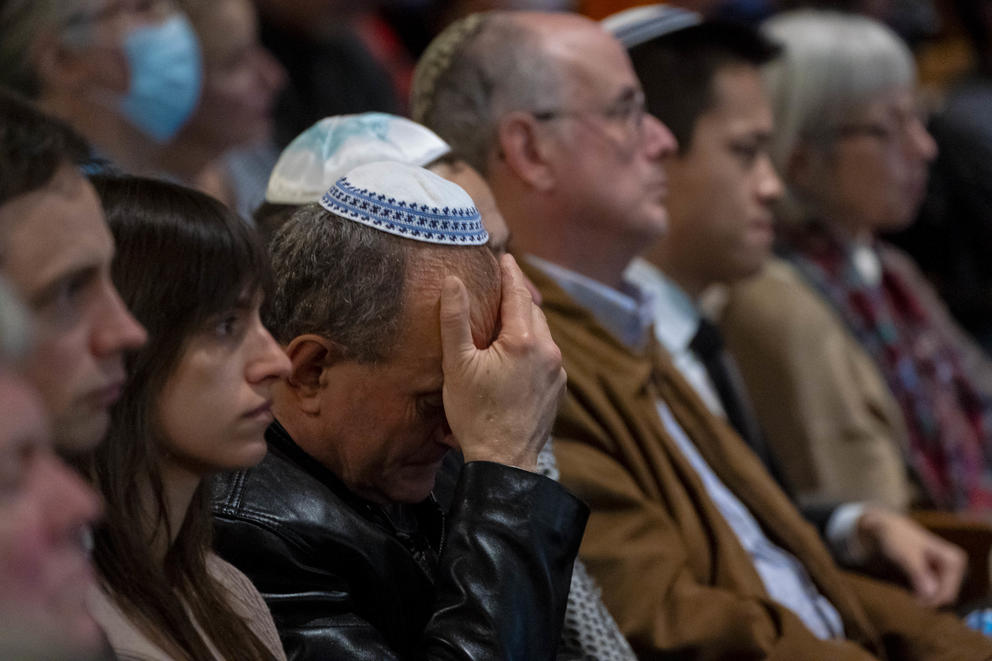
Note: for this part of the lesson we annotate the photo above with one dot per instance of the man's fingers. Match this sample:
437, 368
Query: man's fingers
515, 315
539, 324
950, 565
922, 579
456, 328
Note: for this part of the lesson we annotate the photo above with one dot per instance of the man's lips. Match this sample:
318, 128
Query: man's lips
763, 225
264, 410
106, 396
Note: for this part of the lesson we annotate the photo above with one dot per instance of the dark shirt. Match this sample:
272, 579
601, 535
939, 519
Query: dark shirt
347, 578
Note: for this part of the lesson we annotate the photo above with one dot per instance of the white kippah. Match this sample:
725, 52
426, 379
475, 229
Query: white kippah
323, 153
407, 201
637, 25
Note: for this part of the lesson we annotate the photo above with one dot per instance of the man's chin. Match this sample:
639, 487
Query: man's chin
79, 433
654, 221
414, 484
85, 635
53, 637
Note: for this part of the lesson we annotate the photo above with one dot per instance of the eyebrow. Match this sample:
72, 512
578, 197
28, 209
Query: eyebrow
758, 135
249, 298
630, 93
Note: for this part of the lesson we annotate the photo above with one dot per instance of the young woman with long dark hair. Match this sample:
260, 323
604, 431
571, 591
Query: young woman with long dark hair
196, 402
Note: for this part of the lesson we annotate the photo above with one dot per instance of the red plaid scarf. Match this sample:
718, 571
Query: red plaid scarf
948, 420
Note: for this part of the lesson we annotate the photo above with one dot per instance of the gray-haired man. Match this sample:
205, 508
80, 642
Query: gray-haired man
407, 338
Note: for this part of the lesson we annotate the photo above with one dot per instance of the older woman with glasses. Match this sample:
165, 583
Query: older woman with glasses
864, 386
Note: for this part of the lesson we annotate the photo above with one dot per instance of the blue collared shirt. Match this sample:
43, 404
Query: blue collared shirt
629, 315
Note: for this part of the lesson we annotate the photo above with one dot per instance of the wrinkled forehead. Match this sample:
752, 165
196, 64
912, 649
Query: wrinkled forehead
475, 267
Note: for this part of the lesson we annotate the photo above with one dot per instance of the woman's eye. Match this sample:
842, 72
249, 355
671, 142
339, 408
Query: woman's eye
227, 326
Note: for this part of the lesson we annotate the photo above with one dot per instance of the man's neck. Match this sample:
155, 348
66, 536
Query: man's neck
692, 284
693, 287
179, 484
600, 256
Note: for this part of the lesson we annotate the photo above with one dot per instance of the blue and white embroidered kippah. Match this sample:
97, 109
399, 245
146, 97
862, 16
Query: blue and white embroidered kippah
407, 201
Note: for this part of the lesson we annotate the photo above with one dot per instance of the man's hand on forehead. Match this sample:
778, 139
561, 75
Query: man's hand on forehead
500, 401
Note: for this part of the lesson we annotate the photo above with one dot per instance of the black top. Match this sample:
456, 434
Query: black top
347, 578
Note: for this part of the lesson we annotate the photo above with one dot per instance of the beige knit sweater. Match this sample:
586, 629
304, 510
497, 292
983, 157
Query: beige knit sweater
131, 644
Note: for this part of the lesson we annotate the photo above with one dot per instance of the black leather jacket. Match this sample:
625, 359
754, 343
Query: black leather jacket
349, 579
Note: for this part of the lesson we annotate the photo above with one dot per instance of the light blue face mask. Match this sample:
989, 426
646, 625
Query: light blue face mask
166, 72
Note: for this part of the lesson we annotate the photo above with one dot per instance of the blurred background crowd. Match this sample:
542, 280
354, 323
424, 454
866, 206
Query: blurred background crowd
271, 68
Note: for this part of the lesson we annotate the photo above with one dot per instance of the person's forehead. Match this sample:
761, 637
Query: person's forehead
225, 27
425, 279
52, 231
593, 63
894, 99
739, 99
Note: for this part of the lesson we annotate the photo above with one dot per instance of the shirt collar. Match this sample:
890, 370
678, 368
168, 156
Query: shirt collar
675, 315
866, 263
626, 314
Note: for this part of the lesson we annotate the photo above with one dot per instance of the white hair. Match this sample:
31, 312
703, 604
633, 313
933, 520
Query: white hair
832, 64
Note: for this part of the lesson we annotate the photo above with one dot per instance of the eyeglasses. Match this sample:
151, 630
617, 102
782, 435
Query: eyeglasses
897, 126
628, 112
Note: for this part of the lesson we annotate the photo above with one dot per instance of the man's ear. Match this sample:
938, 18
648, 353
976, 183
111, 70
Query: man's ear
310, 356
525, 149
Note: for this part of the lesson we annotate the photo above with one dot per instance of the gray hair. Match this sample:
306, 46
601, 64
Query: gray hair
348, 282
831, 65
22, 22
478, 69
15, 335
337, 279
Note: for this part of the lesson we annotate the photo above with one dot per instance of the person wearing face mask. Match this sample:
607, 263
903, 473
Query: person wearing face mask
228, 140
127, 74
